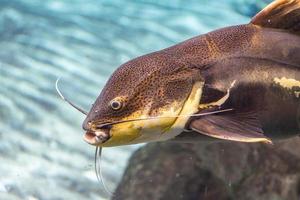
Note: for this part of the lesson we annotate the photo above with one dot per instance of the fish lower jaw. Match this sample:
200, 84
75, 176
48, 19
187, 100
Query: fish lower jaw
96, 137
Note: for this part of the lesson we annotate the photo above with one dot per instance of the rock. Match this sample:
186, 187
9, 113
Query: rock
221, 170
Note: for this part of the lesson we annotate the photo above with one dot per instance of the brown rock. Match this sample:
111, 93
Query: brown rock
213, 171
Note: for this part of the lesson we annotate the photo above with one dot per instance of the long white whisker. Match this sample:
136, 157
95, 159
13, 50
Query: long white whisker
98, 169
162, 117
66, 100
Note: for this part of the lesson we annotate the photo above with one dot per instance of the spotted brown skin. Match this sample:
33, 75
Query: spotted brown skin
144, 84
253, 56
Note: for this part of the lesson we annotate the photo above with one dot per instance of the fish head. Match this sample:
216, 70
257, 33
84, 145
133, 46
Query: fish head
140, 101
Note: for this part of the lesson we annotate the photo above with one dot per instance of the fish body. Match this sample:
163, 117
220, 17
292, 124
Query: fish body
265, 63
239, 83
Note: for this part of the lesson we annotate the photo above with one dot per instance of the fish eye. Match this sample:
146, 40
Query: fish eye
115, 105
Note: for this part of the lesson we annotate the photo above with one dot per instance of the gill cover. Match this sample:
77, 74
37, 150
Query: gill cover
167, 125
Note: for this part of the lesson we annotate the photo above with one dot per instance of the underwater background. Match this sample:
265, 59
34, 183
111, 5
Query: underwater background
42, 154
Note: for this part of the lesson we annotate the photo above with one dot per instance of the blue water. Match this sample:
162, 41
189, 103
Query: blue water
42, 154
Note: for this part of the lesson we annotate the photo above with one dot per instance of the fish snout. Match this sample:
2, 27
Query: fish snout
93, 135
87, 124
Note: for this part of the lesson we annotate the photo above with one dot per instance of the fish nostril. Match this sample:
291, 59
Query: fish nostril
86, 125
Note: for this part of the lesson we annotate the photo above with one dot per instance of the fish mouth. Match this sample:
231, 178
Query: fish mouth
97, 137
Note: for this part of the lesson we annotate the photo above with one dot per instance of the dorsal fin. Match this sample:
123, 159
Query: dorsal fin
280, 14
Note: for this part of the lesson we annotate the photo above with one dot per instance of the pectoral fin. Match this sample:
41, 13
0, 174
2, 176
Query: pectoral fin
235, 126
